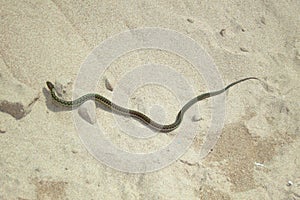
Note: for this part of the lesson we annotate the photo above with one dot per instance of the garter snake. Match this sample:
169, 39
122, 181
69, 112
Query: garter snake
135, 114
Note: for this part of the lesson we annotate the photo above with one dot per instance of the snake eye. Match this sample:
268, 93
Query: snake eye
50, 85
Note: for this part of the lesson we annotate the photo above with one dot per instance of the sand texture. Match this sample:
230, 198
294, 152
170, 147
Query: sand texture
258, 154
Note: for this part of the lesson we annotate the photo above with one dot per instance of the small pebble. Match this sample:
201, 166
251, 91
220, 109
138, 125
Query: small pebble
259, 164
74, 151
222, 32
190, 20
108, 85
63, 85
197, 118
244, 49
37, 170
2, 131
290, 183
263, 20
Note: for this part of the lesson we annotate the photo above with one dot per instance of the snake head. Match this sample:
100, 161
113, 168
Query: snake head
50, 85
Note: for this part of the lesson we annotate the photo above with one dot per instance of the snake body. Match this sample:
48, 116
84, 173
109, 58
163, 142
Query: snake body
135, 114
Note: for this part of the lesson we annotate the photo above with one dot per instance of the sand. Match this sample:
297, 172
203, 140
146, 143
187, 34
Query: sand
257, 156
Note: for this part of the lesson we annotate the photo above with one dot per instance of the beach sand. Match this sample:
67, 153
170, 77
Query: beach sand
258, 153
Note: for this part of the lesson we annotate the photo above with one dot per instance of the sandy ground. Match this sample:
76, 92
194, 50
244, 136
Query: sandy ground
258, 154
